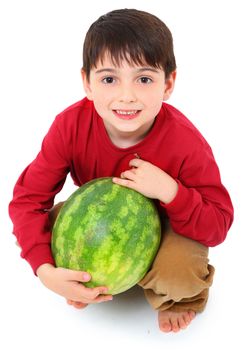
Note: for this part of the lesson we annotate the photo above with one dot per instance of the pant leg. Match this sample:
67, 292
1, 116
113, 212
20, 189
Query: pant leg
53, 213
180, 276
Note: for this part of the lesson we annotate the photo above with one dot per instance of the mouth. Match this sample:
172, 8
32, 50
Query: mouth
126, 114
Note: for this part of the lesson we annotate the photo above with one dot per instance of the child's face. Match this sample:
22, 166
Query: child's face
127, 97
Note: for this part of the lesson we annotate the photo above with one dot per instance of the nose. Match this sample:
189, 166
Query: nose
127, 94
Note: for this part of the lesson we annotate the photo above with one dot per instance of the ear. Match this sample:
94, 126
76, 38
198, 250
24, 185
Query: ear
169, 85
86, 85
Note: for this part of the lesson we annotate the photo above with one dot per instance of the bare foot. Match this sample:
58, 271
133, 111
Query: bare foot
170, 321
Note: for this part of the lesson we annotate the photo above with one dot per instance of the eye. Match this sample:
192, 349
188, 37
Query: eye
145, 80
108, 80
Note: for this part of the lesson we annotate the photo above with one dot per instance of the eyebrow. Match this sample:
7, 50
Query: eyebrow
139, 70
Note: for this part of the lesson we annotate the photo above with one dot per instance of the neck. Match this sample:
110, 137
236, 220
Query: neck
125, 139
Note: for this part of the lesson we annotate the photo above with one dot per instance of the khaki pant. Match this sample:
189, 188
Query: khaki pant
180, 276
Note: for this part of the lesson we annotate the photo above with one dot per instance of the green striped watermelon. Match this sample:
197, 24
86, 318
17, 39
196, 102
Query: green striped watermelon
108, 230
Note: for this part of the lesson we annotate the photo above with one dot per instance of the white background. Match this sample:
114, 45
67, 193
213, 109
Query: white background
40, 54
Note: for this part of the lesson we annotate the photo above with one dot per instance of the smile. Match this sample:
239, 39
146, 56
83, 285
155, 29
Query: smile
126, 114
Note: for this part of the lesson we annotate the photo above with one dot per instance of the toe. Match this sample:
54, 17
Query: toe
165, 326
181, 321
174, 324
192, 314
187, 318
174, 321
164, 322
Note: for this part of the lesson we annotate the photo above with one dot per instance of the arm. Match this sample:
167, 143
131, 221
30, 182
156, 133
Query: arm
34, 195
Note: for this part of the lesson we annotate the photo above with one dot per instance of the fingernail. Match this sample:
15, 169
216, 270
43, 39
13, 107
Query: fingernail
86, 276
109, 299
104, 290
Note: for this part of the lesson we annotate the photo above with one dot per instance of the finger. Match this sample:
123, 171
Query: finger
80, 276
91, 299
136, 162
102, 299
76, 304
88, 294
128, 174
124, 182
94, 293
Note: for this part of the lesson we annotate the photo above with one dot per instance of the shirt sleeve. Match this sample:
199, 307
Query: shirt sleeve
202, 209
33, 196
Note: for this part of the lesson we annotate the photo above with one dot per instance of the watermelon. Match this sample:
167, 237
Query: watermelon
109, 231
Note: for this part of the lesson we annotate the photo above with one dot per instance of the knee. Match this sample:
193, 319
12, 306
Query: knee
181, 277
53, 213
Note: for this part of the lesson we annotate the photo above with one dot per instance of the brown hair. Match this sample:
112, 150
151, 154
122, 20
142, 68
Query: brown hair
136, 36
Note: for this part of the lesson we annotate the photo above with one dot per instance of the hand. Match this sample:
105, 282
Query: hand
67, 283
149, 180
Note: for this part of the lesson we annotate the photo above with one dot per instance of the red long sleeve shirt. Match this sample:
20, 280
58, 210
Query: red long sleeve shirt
77, 142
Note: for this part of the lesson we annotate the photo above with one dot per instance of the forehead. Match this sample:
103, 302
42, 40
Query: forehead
122, 62
119, 61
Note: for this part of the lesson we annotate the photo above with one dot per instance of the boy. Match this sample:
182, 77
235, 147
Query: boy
124, 130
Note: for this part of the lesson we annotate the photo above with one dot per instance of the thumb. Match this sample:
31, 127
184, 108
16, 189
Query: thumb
80, 276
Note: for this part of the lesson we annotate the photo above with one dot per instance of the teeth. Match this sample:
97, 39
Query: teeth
126, 112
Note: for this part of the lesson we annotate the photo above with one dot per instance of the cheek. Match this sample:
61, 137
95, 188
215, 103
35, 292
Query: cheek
103, 96
153, 99
101, 103
155, 103
152, 95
